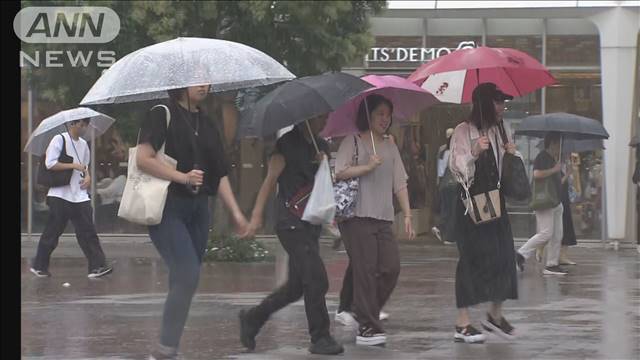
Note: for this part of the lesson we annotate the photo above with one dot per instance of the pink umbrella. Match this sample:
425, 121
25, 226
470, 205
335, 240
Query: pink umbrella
452, 78
407, 99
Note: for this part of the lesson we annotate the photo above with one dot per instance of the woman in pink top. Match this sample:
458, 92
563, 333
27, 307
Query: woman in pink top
367, 236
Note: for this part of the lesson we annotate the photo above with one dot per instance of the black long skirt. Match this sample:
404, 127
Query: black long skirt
486, 270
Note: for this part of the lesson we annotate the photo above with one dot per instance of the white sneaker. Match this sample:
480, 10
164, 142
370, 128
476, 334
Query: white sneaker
383, 315
346, 318
436, 232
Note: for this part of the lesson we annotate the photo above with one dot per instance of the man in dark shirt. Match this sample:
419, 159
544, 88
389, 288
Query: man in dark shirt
549, 221
293, 167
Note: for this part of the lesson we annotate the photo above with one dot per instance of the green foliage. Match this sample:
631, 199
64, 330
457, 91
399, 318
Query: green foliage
309, 37
229, 248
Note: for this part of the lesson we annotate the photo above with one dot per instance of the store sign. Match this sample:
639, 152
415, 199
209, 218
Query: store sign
414, 54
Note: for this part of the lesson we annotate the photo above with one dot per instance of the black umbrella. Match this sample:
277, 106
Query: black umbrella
578, 146
570, 126
299, 100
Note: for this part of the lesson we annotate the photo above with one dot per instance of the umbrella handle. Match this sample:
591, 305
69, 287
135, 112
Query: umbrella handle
373, 142
313, 139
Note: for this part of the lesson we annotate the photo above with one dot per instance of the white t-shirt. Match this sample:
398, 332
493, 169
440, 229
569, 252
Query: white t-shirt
443, 163
71, 192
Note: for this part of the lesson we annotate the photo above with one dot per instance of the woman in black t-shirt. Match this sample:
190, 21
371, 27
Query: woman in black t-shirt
181, 237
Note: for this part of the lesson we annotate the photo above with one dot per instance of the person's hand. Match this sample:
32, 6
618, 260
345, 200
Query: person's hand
194, 177
556, 168
408, 227
254, 225
79, 167
374, 162
86, 182
242, 225
320, 156
481, 145
510, 148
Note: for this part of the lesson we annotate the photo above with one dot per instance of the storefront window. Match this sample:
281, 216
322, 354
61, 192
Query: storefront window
573, 50
530, 44
580, 93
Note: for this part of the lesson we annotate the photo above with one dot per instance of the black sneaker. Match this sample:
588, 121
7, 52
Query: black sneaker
248, 331
100, 272
469, 335
502, 329
40, 273
520, 261
326, 346
554, 270
368, 336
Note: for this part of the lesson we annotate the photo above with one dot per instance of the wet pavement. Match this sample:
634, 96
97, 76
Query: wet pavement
594, 312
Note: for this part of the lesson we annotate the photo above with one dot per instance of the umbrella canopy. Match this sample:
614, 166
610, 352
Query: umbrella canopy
299, 100
577, 146
56, 124
570, 126
407, 98
452, 78
148, 73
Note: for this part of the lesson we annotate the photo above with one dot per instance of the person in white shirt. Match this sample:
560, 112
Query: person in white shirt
70, 202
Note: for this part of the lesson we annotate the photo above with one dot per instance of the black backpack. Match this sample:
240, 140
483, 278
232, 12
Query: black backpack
50, 178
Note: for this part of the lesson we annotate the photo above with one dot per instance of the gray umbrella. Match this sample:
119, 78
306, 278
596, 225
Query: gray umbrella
299, 100
148, 73
570, 126
55, 124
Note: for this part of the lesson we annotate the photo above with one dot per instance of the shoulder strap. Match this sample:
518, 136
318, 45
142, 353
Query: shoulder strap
168, 112
354, 160
168, 118
64, 145
74, 149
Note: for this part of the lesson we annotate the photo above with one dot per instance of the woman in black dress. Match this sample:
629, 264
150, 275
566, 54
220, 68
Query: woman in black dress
486, 270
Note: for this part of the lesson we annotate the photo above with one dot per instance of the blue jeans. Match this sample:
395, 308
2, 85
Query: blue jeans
181, 240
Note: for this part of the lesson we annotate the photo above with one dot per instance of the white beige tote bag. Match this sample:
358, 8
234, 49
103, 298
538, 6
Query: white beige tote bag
144, 195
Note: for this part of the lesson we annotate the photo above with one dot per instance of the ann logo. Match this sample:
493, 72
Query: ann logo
66, 24
73, 28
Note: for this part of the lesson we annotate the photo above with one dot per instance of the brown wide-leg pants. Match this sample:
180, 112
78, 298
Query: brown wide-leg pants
375, 261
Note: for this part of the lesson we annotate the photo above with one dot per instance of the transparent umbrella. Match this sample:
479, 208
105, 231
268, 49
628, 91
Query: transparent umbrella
148, 73
55, 124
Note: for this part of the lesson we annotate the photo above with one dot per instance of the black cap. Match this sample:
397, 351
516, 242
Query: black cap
489, 91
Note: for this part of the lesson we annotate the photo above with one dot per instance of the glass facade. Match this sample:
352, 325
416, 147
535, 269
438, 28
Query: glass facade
577, 91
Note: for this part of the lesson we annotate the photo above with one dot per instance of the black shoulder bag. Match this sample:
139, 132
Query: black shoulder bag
51, 178
514, 182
